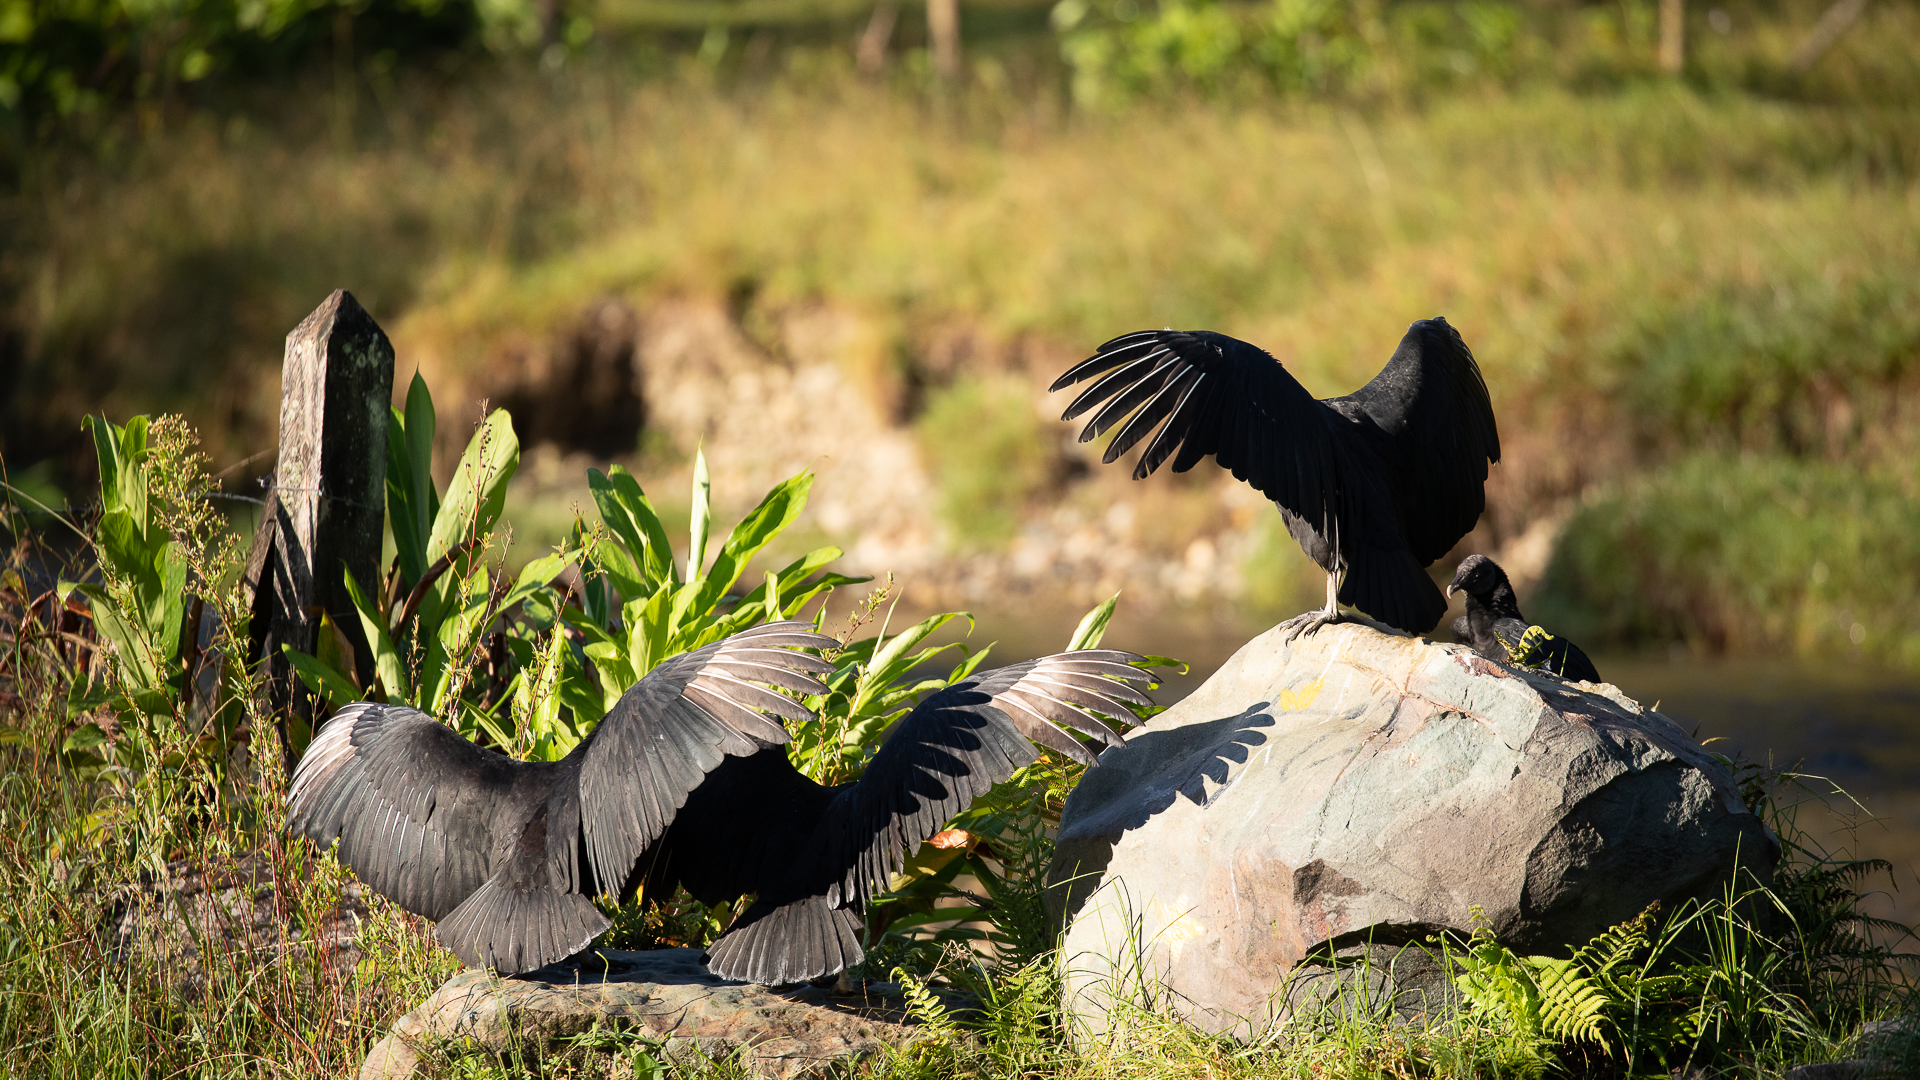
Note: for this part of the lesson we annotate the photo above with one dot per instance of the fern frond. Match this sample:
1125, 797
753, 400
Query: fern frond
925, 1006
1573, 1006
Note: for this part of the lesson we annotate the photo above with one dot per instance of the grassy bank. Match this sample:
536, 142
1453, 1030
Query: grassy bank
1649, 271
156, 920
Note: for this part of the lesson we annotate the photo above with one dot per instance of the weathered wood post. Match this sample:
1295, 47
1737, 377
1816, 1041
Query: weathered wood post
328, 503
943, 33
1673, 36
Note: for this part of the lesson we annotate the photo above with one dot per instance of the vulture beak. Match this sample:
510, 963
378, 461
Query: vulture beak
1449, 590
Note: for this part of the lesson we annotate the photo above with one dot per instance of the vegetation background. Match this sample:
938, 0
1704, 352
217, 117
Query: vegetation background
812, 234
644, 225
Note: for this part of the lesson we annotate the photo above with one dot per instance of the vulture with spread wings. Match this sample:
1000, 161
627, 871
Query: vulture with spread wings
813, 854
681, 781
1375, 486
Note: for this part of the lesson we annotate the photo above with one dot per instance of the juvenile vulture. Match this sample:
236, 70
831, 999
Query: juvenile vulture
1495, 629
685, 772
1375, 485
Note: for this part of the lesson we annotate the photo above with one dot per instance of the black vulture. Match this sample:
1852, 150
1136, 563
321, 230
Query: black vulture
505, 854
1495, 629
812, 854
1375, 486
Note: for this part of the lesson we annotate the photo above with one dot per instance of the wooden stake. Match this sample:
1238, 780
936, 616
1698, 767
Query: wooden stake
328, 504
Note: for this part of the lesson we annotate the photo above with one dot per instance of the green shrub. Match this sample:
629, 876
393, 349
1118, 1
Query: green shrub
992, 454
1755, 552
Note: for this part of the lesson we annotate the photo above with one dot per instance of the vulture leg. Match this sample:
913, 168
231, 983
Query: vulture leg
1309, 621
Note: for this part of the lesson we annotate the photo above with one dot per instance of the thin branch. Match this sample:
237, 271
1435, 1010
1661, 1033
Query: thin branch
440, 566
1837, 21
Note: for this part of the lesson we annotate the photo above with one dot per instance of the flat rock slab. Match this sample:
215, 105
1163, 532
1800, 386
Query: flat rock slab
665, 997
1356, 787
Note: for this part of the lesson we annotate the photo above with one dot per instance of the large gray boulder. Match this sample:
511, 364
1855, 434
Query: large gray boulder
1363, 789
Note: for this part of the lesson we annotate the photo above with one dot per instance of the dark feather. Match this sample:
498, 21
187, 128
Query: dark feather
1399, 466
500, 851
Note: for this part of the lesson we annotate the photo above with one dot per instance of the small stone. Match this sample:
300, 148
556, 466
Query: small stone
1831, 1070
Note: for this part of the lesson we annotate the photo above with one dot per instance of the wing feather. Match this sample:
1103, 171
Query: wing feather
673, 727
948, 751
379, 774
1432, 400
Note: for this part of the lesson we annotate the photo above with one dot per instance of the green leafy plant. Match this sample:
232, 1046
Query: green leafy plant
643, 609
1614, 993
138, 604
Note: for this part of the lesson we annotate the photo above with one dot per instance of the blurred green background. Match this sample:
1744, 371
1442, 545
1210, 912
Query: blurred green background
1683, 241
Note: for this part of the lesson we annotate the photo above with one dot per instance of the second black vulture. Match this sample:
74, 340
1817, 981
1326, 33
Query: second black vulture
686, 781
1375, 486
1494, 627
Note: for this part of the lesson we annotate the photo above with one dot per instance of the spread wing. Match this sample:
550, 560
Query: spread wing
959, 743
665, 734
409, 800
944, 754
1194, 393
1432, 401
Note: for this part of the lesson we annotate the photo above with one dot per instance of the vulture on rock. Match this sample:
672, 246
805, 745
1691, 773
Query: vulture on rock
1494, 627
684, 780
1375, 486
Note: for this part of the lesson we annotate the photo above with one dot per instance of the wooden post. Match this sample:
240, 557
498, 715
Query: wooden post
943, 33
1673, 36
871, 51
328, 504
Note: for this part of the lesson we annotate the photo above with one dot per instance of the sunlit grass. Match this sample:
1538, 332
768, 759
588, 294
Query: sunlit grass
1645, 273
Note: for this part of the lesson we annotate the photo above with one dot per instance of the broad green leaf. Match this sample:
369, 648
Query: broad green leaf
794, 574
412, 502
630, 514
471, 507
122, 454
618, 568
387, 665
616, 674
84, 736
332, 648
891, 660
474, 721
479, 486
1093, 626
649, 631
536, 702
534, 576
778, 510
578, 694
322, 678
700, 520
133, 649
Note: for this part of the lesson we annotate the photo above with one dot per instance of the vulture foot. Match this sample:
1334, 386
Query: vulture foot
1307, 623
